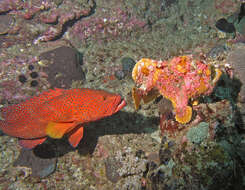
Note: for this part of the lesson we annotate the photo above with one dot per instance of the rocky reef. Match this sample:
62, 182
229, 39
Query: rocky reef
96, 44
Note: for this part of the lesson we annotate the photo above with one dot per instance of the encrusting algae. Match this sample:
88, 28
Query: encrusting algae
180, 79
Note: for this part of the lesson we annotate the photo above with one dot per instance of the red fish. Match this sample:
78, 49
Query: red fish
57, 112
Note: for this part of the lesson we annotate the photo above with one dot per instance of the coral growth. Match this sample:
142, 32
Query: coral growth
50, 15
181, 79
117, 24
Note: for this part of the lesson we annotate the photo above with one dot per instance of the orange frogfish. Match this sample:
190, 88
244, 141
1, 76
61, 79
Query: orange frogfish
180, 79
57, 112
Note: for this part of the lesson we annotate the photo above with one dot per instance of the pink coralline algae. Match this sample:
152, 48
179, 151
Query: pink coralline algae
227, 6
61, 17
180, 80
52, 16
117, 24
9, 5
12, 89
26, 9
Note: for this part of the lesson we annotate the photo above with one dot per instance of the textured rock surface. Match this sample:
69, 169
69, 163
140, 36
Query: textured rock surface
64, 66
7, 21
40, 167
236, 59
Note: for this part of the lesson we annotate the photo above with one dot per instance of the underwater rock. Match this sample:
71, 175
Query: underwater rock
34, 75
239, 20
240, 27
223, 25
198, 133
64, 66
169, 3
190, 166
34, 83
236, 60
120, 74
127, 67
41, 167
127, 64
242, 12
7, 22
241, 151
22, 78
111, 167
165, 153
217, 51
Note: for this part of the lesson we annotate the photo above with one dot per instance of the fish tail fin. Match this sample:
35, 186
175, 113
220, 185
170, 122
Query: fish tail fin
3, 125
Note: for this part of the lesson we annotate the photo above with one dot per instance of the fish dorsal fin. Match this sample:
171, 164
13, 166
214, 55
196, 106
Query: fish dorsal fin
75, 136
57, 130
28, 107
46, 96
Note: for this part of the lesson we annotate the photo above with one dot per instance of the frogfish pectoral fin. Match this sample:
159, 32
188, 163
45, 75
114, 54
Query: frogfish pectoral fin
57, 130
136, 98
31, 143
75, 136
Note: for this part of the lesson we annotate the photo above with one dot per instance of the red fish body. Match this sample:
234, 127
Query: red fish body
57, 112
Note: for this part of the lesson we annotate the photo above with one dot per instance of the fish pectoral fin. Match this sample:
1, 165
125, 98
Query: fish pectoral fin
75, 136
31, 143
57, 130
151, 95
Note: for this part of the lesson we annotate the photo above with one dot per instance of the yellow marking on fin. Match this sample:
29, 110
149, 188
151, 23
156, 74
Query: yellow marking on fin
57, 130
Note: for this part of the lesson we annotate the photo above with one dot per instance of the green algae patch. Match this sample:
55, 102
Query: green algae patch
199, 133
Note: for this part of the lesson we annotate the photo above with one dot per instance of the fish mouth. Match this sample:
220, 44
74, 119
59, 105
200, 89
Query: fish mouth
121, 104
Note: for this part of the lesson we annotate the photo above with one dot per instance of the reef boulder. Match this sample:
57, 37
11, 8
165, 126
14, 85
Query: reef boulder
63, 66
236, 60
